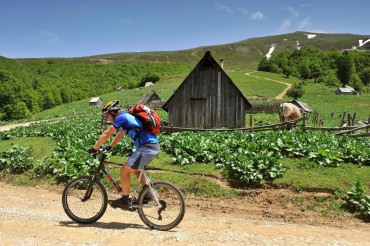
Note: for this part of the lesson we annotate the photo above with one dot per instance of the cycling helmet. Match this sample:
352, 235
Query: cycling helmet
111, 106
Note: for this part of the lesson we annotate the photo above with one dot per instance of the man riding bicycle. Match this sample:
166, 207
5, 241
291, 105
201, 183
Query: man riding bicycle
146, 143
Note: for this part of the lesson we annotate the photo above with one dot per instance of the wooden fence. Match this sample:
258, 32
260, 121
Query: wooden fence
353, 131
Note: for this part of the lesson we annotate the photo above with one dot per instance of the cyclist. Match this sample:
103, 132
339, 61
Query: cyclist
146, 143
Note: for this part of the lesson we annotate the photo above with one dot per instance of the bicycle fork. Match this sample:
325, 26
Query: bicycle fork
89, 189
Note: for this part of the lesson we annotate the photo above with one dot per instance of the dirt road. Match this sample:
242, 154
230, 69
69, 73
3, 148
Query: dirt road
282, 94
34, 216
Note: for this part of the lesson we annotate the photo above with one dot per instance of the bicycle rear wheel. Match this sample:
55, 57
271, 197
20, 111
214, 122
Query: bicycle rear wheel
84, 201
170, 214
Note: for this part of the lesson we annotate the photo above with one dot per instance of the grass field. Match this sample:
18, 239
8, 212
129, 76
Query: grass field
300, 175
320, 98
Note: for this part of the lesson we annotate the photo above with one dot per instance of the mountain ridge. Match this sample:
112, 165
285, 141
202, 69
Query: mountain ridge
248, 51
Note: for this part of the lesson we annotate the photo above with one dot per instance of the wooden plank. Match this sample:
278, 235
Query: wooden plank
353, 130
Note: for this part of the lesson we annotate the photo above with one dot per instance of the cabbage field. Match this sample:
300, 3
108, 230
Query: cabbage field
244, 158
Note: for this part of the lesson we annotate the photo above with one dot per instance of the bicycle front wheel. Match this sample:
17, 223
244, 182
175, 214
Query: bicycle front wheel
84, 200
171, 210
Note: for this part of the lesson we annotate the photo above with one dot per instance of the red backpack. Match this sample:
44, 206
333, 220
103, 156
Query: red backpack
151, 122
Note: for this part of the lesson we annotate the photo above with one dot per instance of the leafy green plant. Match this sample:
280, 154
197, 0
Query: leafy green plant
358, 200
244, 167
16, 159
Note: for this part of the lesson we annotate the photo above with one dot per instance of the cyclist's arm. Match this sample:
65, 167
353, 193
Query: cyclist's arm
105, 136
117, 138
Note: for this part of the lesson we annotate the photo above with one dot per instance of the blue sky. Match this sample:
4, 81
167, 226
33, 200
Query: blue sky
75, 28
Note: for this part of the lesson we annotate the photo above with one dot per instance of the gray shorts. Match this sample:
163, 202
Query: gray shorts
143, 155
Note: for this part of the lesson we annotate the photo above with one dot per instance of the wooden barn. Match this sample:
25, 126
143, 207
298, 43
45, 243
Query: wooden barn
303, 106
207, 98
96, 101
152, 100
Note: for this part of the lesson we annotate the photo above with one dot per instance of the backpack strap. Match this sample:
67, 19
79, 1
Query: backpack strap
137, 134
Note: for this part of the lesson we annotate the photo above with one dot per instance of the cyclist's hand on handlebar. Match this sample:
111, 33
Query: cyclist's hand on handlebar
92, 151
106, 148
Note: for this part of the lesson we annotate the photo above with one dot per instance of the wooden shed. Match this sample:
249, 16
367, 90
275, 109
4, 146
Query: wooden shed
347, 90
207, 98
96, 101
303, 106
152, 100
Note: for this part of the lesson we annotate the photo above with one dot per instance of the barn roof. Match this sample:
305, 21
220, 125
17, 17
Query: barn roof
95, 99
302, 105
151, 99
147, 97
345, 90
208, 60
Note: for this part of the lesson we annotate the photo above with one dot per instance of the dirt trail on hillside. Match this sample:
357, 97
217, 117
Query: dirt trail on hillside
282, 94
11, 126
8, 127
34, 216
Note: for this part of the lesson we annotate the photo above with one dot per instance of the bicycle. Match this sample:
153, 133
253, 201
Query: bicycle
85, 199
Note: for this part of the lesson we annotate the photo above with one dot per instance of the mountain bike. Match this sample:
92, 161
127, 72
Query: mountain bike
85, 199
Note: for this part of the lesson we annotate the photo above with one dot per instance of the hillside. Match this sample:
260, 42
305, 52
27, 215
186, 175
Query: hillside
245, 54
34, 85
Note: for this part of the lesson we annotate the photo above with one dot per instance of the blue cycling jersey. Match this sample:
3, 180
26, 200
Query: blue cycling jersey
131, 125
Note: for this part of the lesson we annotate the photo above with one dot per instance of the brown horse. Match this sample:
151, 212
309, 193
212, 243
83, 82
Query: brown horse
289, 112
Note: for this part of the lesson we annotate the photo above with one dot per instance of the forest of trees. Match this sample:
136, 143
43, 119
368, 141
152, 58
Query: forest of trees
29, 86
333, 67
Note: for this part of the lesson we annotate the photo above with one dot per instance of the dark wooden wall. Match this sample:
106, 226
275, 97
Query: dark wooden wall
207, 98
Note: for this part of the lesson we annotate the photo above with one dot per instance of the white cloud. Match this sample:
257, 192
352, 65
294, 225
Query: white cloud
303, 24
257, 15
52, 38
243, 10
293, 12
284, 24
223, 7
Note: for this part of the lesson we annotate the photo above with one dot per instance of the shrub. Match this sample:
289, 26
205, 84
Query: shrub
17, 159
358, 201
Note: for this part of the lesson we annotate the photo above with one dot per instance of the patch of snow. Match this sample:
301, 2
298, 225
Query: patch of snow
310, 36
268, 55
361, 42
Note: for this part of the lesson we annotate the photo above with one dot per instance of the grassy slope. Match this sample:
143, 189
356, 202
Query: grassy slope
239, 58
242, 56
319, 97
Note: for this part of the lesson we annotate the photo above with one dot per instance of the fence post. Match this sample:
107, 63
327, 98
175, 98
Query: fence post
251, 121
353, 119
349, 117
342, 120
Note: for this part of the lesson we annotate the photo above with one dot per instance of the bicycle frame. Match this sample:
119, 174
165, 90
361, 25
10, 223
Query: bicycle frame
160, 205
103, 164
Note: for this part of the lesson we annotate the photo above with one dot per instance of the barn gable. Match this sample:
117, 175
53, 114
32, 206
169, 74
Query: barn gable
303, 106
207, 98
97, 101
152, 100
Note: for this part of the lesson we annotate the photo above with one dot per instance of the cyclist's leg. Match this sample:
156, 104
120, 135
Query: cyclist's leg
126, 171
138, 160
124, 201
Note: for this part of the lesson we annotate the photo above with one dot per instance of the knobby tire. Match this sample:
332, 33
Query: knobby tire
81, 209
173, 210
